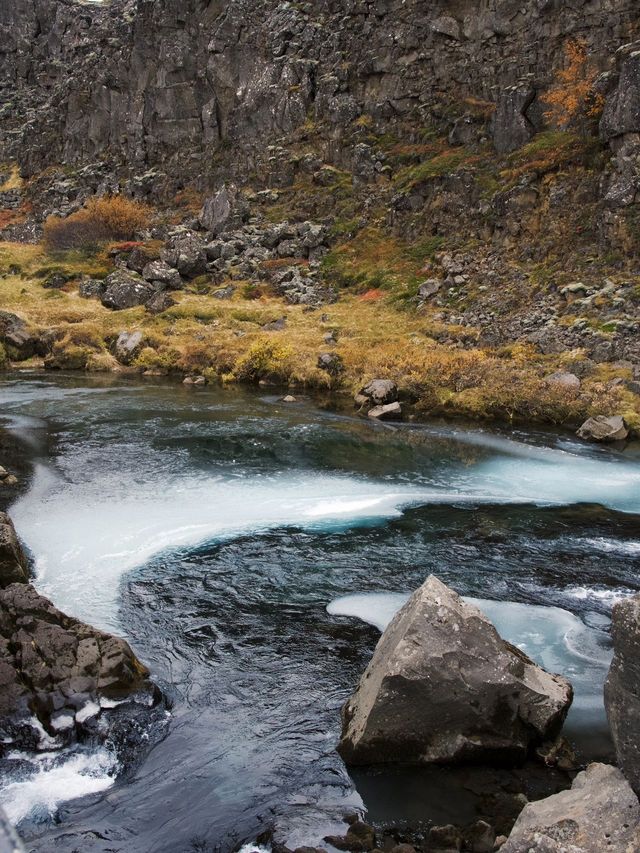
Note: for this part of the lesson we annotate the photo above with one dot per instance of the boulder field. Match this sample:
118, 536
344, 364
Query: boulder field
444, 688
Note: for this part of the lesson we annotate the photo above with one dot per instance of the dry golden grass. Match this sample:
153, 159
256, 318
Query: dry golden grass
224, 339
13, 182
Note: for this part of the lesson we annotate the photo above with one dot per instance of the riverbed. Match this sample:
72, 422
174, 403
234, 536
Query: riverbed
251, 551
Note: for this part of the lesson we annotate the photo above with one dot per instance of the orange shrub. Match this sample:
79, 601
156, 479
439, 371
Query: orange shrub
100, 221
572, 96
371, 295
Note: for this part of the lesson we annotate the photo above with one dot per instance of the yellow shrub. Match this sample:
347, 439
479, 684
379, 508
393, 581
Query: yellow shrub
264, 359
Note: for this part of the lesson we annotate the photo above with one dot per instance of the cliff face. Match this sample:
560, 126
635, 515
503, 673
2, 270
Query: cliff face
181, 83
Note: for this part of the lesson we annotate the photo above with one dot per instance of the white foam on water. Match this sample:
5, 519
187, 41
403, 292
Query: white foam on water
85, 536
57, 779
613, 546
602, 596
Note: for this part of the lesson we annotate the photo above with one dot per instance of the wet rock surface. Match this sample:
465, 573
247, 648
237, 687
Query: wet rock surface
59, 670
443, 687
603, 429
14, 567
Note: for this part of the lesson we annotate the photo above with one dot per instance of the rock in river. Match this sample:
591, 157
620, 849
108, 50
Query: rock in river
599, 813
13, 562
444, 687
601, 428
378, 392
622, 688
57, 669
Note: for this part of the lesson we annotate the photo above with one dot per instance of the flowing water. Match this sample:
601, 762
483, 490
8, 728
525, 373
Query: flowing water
251, 551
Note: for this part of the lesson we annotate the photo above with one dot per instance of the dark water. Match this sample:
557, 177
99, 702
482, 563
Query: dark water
212, 528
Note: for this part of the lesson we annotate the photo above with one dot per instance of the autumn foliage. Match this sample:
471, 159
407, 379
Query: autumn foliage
99, 221
573, 97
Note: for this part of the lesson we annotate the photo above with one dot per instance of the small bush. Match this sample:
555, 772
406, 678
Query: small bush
101, 220
264, 359
573, 97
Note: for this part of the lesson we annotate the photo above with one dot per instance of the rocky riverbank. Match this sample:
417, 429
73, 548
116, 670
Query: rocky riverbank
443, 688
61, 681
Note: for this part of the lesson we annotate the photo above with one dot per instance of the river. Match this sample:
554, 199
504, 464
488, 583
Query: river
250, 551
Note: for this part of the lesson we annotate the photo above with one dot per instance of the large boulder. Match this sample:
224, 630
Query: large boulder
57, 668
600, 812
622, 688
125, 290
601, 428
163, 275
444, 687
378, 392
21, 342
224, 209
185, 253
14, 567
127, 346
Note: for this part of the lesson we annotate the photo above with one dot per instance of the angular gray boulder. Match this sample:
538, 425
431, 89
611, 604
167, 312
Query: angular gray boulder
622, 688
378, 392
601, 428
390, 412
125, 290
599, 813
161, 273
444, 687
185, 253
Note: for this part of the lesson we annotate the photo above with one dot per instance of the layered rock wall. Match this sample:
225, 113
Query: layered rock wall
178, 83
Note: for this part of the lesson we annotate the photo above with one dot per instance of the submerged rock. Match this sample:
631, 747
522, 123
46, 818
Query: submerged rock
14, 567
602, 428
360, 837
599, 813
444, 687
622, 688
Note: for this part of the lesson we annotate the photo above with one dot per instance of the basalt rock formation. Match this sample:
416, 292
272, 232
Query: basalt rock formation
599, 813
173, 85
622, 688
58, 676
280, 144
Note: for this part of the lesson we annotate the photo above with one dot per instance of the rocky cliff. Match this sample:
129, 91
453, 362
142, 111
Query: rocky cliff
180, 84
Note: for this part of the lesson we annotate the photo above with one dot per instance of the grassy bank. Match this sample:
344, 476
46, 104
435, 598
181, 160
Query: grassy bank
377, 335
